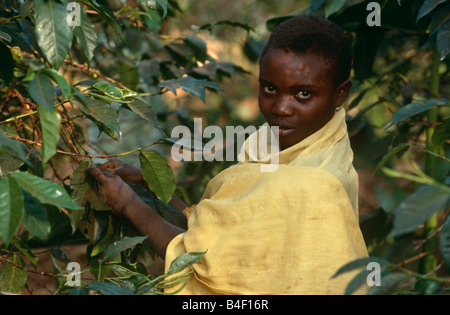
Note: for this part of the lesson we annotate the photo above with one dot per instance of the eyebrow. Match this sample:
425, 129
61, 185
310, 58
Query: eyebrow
298, 86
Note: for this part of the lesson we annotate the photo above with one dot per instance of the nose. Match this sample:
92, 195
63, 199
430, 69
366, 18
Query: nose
282, 106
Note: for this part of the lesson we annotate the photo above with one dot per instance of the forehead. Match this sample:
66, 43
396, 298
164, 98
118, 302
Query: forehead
295, 68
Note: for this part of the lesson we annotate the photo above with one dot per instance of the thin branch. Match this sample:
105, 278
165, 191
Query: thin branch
42, 273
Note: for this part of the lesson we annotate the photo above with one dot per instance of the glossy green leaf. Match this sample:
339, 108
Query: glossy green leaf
42, 91
11, 207
158, 175
143, 110
443, 39
123, 244
65, 87
109, 90
13, 279
86, 36
45, 190
415, 108
100, 112
50, 122
35, 217
53, 32
153, 20
183, 261
26, 251
444, 243
417, 208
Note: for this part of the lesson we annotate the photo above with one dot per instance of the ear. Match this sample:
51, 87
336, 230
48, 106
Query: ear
342, 92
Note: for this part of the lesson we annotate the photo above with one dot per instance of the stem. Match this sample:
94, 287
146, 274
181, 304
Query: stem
429, 262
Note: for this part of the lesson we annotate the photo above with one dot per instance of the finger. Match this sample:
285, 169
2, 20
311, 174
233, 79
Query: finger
110, 164
101, 177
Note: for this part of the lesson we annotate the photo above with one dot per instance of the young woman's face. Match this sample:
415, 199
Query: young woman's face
297, 93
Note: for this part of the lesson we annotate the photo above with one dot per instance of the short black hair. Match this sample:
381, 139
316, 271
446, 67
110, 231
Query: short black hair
313, 34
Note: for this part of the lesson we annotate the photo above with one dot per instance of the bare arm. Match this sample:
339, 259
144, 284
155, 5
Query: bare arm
126, 203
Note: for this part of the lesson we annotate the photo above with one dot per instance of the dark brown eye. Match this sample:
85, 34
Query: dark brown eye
303, 94
270, 89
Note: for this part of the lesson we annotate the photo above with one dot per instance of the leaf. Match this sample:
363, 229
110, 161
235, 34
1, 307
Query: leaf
26, 251
11, 207
107, 14
427, 7
12, 147
109, 90
189, 84
65, 87
152, 19
101, 113
108, 288
13, 279
389, 155
45, 190
361, 263
417, 208
50, 122
443, 39
333, 6
444, 243
86, 36
143, 110
35, 217
42, 91
183, 261
123, 244
198, 45
415, 108
158, 175
155, 5
53, 32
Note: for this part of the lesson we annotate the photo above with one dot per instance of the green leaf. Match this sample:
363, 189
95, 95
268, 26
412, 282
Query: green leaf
123, 244
152, 19
143, 109
415, 108
198, 45
183, 261
389, 155
443, 39
53, 32
109, 90
45, 190
361, 263
13, 279
101, 113
417, 208
107, 14
444, 244
189, 84
12, 147
35, 217
42, 91
333, 6
427, 7
86, 36
50, 122
11, 207
108, 288
158, 175
441, 133
65, 87
26, 251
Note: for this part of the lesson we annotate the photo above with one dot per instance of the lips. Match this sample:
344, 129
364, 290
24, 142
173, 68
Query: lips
284, 129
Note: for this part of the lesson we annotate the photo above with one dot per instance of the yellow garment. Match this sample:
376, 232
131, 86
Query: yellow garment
281, 232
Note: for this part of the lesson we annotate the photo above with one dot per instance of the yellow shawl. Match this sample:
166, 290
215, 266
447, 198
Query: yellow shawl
281, 232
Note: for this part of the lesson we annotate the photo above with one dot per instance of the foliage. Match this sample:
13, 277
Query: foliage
57, 81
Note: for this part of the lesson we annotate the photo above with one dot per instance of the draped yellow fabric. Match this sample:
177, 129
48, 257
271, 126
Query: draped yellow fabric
280, 232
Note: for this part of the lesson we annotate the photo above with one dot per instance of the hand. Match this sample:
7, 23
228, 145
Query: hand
118, 194
125, 171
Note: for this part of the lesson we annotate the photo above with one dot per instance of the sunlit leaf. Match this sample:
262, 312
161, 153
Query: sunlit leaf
53, 32
183, 261
158, 175
45, 190
123, 244
50, 122
86, 36
13, 279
